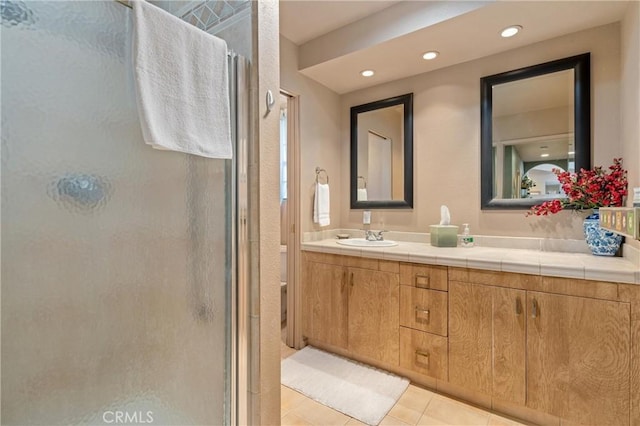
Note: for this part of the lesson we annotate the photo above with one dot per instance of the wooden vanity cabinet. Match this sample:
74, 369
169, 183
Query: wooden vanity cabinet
509, 357
567, 355
352, 303
430, 277
424, 310
578, 354
487, 340
373, 314
424, 320
424, 353
550, 350
325, 302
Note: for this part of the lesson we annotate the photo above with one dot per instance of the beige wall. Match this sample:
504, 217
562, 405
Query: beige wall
320, 143
447, 126
630, 96
630, 69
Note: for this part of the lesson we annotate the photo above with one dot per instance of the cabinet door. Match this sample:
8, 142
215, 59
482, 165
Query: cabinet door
578, 358
470, 336
487, 340
508, 381
325, 298
373, 314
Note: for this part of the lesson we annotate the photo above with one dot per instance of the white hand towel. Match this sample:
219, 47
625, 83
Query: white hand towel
362, 194
182, 87
321, 205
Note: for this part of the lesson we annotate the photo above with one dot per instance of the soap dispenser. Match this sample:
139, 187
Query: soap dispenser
467, 238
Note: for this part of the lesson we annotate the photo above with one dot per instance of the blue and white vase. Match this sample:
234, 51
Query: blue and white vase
600, 241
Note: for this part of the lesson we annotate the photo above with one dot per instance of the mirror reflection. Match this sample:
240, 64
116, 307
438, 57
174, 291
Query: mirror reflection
532, 134
380, 154
381, 147
533, 119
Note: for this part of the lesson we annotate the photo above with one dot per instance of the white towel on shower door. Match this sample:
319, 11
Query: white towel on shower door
321, 205
182, 86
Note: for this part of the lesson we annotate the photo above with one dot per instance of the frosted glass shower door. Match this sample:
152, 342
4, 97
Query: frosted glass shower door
116, 258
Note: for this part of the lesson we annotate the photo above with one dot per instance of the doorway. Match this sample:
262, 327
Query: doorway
289, 219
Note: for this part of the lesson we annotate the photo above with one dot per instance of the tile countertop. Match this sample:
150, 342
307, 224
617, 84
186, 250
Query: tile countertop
535, 262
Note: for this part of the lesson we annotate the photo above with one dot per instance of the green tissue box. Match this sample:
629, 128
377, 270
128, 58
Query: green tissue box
444, 235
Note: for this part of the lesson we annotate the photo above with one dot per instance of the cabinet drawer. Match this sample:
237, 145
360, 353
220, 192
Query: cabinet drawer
424, 353
424, 310
424, 276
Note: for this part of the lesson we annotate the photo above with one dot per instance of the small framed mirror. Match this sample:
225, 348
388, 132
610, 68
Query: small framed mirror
533, 120
382, 154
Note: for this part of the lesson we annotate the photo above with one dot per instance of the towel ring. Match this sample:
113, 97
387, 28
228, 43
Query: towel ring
364, 180
318, 171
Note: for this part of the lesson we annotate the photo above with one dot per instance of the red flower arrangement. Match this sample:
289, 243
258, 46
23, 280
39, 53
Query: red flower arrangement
587, 189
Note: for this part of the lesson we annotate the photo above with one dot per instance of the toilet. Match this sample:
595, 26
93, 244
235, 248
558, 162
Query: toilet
283, 283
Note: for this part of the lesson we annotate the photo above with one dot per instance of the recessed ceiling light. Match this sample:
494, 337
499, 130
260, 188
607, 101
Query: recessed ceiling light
510, 31
432, 54
367, 73
544, 155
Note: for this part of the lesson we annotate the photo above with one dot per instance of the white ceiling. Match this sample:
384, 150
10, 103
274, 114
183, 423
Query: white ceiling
338, 39
304, 20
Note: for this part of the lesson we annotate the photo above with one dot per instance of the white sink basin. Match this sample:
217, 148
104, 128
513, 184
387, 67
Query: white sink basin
361, 242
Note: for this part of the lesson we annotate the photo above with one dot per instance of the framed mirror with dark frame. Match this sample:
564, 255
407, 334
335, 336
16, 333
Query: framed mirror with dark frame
533, 120
382, 154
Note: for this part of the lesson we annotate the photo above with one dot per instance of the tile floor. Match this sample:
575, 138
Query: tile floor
417, 406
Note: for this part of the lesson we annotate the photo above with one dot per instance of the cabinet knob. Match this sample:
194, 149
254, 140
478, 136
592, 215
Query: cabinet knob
534, 308
423, 311
422, 281
422, 356
351, 279
518, 306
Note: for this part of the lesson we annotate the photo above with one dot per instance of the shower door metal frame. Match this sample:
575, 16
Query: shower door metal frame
239, 95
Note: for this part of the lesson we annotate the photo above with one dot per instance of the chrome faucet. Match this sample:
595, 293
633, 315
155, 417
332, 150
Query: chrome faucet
373, 236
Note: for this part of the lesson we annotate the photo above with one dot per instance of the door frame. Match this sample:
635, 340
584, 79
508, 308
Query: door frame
294, 298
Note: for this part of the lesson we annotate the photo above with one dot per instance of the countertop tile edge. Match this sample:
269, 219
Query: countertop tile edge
585, 266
